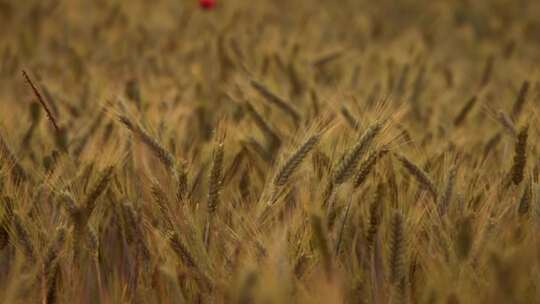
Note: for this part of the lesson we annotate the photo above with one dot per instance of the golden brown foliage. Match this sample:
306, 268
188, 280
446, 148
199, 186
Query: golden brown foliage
281, 151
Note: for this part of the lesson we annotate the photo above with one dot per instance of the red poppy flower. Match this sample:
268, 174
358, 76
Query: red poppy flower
207, 4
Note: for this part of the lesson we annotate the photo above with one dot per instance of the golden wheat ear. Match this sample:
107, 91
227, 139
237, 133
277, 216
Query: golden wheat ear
215, 182
41, 101
279, 102
347, 165
520, 155
419, 174
290, 165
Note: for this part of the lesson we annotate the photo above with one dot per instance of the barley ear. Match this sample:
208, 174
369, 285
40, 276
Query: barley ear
290, 165
520, 155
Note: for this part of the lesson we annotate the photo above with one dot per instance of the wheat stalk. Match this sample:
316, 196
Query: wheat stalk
161, 153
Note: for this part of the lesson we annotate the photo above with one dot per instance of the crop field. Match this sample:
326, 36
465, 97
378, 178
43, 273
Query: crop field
279, 151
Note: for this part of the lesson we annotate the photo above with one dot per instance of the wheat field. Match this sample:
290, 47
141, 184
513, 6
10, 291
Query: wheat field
276, 151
